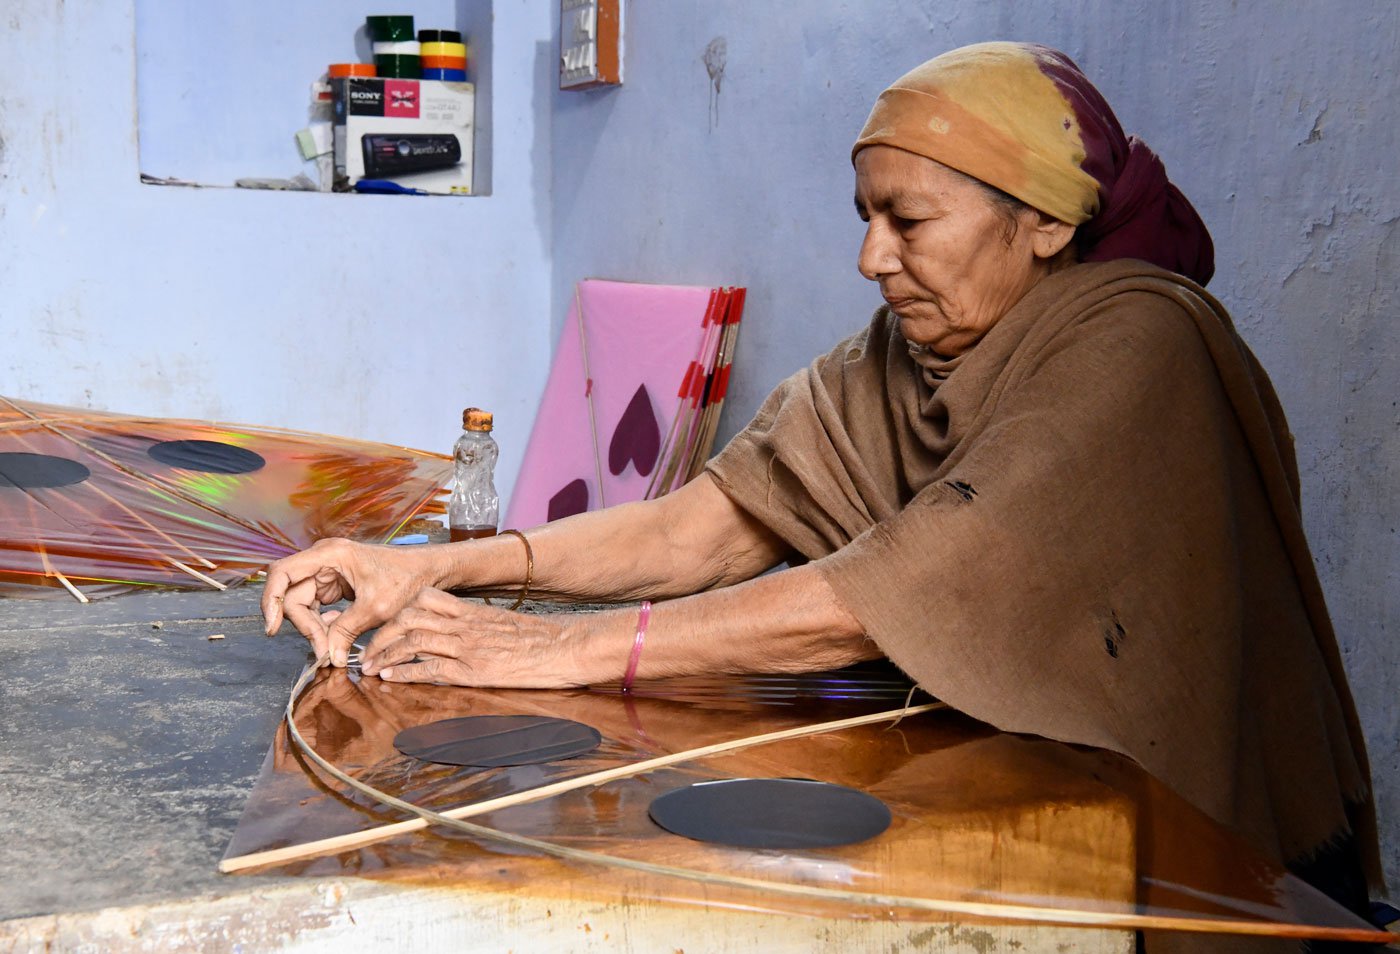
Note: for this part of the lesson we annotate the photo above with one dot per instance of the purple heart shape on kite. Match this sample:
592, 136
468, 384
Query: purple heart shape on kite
571, 499
637, 439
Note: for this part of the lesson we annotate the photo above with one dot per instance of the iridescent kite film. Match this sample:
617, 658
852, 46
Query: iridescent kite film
94, 504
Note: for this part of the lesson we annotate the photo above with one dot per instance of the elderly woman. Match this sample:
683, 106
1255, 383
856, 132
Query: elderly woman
1048, 480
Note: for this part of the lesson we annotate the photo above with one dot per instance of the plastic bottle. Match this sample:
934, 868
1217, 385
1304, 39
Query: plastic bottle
474, 509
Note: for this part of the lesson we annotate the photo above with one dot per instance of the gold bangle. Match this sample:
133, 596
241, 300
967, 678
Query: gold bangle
529, 568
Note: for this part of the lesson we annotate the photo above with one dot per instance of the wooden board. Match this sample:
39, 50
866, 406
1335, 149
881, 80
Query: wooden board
986, 824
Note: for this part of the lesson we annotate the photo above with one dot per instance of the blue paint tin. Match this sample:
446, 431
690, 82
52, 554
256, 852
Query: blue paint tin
447, 76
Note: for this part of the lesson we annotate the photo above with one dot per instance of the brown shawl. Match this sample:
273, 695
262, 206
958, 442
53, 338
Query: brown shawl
1086, 528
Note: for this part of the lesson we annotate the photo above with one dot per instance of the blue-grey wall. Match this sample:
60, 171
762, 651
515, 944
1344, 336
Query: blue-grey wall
1278, 119
373, 316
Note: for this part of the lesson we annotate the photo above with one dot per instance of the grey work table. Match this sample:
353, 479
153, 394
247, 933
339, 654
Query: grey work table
129, 742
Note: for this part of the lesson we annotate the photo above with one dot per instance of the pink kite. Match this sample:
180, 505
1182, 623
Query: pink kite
633, 397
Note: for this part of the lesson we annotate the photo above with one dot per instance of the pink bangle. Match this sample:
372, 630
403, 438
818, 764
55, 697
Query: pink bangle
643, 618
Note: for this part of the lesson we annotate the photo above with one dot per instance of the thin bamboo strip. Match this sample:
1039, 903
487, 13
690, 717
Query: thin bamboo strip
588, 395
77, 593
659, 487
724, 360
153, 528
696, 413
676, 458
199, 576
679, 463
49, 567
47, 563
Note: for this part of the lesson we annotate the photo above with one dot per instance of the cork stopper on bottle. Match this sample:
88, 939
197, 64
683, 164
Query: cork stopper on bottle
475, 419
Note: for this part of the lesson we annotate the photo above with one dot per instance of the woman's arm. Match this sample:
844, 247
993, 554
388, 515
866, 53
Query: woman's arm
789, 621
691, 540
694, 539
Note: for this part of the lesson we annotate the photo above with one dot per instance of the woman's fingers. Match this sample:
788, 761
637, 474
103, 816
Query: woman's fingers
331, 586
435, 669
274, 592
440, 624
412, 616
442, 639
302, 610
321, 566
435, 600
343, 630
409, 633
327, 618
379, 581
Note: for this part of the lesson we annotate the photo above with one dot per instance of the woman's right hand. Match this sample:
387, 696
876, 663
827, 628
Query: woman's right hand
379, 580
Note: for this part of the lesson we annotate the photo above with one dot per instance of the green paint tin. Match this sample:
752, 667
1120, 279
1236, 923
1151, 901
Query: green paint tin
390, 29
398, 66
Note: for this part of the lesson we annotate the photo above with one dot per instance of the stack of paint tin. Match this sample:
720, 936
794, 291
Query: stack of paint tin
397, 53
444, 55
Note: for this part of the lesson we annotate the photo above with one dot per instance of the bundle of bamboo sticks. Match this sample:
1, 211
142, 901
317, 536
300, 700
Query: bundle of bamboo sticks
701, 395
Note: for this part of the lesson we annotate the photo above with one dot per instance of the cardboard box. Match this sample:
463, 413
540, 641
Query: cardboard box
416, 133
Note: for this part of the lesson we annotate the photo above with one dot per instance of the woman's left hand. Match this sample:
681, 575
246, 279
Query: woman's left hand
442, 639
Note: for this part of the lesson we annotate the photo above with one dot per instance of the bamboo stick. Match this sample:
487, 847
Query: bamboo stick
50, 571
679, 461
77, 593
659, 487
154, 529
724, 359
48, 564
197, 575
588, 395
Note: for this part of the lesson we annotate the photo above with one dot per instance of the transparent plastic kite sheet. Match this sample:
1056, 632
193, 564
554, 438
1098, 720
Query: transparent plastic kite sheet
95, 504
986, 825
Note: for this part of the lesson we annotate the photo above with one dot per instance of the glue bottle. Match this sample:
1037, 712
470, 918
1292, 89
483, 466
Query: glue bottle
474, 508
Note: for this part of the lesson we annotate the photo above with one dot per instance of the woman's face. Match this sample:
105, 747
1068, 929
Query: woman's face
947, 261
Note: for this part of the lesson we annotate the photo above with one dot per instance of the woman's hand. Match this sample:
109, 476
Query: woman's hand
439, 638
381, 580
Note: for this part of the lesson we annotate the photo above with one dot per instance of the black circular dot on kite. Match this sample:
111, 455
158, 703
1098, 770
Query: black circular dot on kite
491, 741
771, 813
209, 457
36, 471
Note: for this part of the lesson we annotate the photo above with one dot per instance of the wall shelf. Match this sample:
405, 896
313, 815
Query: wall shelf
223, 86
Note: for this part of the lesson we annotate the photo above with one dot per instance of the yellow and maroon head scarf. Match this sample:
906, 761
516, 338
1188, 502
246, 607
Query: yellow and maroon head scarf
1023, 118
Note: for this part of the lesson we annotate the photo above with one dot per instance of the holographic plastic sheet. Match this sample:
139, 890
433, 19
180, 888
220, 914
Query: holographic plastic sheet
138, 521
979, 816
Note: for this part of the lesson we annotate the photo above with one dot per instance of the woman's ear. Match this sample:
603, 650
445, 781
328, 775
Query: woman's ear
1050, 236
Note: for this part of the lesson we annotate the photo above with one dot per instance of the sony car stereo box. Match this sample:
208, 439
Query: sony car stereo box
414, 133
